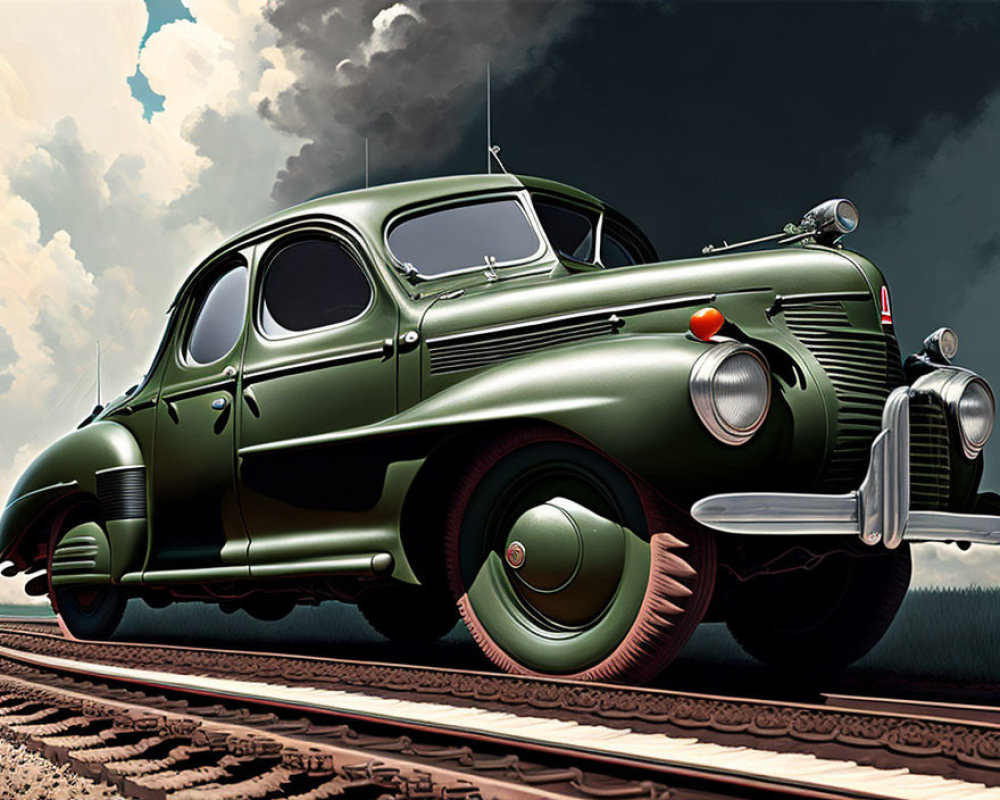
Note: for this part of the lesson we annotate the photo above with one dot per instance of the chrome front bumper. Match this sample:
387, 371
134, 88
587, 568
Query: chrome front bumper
878, 511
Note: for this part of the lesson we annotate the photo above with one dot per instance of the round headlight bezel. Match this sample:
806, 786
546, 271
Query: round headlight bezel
703, 391
971, 445
951, 385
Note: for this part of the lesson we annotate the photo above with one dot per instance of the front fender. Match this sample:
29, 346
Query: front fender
67, 467
628, 396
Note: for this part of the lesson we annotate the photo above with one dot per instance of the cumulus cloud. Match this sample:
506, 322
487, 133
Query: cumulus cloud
102, 214
404, 75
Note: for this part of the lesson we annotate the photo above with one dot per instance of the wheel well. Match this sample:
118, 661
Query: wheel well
423, 517
32, 550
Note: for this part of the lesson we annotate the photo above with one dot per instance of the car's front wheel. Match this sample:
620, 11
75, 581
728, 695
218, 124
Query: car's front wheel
563, 564
84, 611
814, 622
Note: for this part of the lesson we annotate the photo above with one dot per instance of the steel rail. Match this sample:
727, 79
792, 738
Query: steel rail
273, 697
721, 784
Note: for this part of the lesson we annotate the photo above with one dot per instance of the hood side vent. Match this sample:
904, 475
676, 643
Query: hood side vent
863, 367
454, 354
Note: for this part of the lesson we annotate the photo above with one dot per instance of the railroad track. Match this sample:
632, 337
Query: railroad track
275, 724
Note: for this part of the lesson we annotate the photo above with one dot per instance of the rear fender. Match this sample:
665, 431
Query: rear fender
101, 462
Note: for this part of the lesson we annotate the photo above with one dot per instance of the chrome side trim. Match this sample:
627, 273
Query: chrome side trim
597, 313
295, 367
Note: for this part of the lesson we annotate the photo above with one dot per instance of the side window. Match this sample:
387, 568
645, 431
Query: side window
571, 232
219, 320
309, 284
615, 253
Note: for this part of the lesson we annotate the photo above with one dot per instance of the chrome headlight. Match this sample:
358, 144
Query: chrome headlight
834, 216
969, 401
731, 391
943, 343
975, 415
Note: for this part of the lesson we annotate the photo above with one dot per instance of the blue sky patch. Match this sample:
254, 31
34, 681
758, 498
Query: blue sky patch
161, 12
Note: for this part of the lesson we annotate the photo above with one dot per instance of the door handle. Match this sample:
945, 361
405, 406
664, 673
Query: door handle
251, 400
220, 403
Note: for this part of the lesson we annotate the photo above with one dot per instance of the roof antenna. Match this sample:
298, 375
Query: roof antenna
98, 372
489, 129
495, 153
366, 162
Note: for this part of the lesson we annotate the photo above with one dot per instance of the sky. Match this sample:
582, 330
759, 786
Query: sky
134, 137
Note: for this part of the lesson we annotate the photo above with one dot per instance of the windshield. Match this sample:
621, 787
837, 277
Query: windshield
462, 237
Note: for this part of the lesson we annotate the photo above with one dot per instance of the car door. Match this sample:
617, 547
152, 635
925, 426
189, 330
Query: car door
196, 521
319, 359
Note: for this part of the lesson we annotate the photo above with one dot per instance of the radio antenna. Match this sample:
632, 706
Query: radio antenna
98, 372
366, 162
489, 131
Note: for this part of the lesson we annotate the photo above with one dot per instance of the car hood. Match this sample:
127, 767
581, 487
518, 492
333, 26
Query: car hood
767, 274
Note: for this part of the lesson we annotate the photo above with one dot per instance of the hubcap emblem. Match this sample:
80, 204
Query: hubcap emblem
515, 554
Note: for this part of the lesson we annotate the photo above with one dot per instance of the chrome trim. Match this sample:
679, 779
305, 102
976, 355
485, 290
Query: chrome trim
701, 387
935, 344
783, 300
879, 511
634, 308
949, 383
294, 367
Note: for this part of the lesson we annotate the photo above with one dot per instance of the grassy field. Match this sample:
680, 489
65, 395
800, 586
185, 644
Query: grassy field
24, 611
943, 633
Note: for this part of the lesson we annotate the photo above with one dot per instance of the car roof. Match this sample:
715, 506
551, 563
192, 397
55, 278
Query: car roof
373, 205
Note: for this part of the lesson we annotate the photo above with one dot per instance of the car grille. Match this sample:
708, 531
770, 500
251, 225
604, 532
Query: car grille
930, 454
864, 366
473, 350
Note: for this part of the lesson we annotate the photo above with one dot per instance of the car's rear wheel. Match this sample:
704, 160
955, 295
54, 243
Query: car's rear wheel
563, 564
409, 615
86, 611
814, 622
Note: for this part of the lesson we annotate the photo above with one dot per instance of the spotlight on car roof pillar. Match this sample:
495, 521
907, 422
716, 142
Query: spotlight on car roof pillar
832, 219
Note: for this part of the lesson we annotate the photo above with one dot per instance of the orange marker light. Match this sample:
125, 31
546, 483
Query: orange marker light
706, 323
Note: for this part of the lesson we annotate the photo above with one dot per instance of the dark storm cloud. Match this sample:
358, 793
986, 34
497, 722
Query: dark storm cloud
403, 75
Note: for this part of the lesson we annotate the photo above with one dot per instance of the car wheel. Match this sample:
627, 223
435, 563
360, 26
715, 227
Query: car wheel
814, 622
563, 564
89, 611
268, 608
409, 615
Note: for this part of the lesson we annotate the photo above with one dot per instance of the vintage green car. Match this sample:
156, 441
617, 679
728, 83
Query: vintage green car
485, 396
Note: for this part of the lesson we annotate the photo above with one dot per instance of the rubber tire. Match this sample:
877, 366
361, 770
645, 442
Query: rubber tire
677, 592
264, 608
855, 597
98, 618
409, 615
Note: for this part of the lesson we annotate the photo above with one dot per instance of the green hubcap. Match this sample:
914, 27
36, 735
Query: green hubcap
553, 556
571, 560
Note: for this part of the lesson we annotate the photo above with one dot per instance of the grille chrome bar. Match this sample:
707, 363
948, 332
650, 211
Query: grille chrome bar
877, 511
